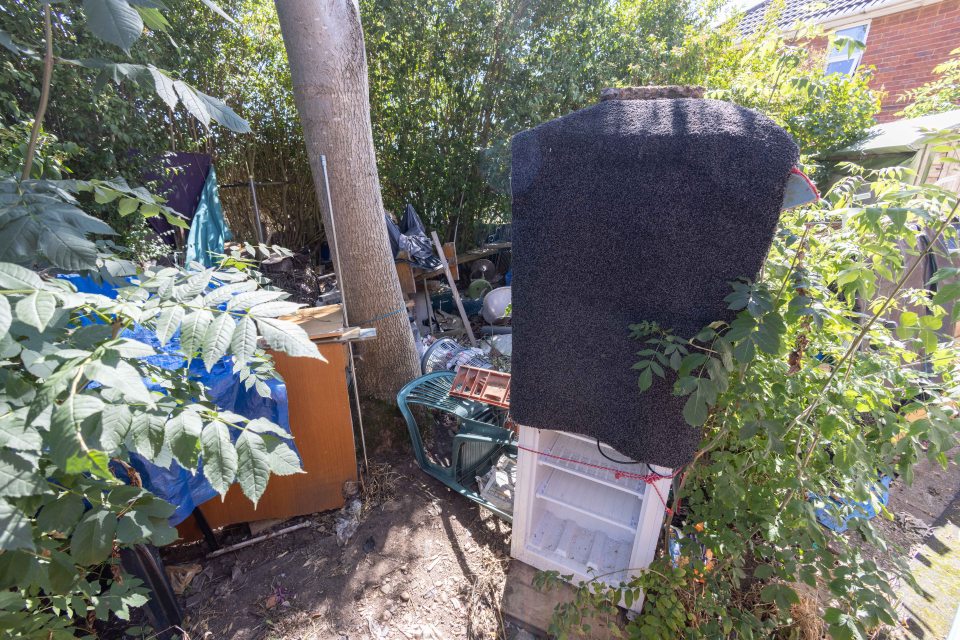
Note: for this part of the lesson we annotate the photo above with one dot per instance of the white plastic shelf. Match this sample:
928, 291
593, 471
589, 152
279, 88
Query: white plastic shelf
596, 500
585, 552
582, 459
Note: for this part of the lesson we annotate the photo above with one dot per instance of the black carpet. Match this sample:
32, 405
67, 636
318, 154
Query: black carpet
629, 211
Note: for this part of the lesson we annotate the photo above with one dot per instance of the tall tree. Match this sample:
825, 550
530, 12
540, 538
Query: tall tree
324, 42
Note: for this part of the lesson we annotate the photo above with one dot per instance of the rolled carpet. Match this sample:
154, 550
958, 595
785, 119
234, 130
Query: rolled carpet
629, 211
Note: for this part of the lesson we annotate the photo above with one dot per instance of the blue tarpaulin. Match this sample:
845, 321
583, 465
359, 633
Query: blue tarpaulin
826, 514
208, 231
175, 484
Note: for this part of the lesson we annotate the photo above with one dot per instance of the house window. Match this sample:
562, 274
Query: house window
844, 55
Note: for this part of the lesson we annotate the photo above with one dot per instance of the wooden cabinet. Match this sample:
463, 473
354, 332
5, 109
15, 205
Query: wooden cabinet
322, 428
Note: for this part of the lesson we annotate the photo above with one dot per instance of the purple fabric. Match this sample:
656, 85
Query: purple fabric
181, 176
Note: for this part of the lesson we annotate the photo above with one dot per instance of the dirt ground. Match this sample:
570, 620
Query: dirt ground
424, 563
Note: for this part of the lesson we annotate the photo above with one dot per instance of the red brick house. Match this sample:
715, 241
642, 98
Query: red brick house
903, 39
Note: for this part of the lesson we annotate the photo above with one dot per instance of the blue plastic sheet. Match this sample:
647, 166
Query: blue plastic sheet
865, 510
173, 483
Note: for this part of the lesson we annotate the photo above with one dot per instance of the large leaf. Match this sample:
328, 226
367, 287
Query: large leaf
223, 114
67, 447
92, 540
253, 465
275, 309
217, 339
216, 9
183, 434
15, 532
18, 476
224, 292
122, 376
219, 456
288, 337
163, 85
192, 102
146, 434
114, 21
115, 425
37, 309
283, 460
194, 330
253, 298
168, 322
244, 341
61, 514
15, 277
6, 318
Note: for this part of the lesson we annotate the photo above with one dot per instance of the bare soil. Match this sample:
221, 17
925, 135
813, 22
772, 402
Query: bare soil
424, 563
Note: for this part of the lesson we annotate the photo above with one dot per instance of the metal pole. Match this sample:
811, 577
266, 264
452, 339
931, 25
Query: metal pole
343, 304
256, 209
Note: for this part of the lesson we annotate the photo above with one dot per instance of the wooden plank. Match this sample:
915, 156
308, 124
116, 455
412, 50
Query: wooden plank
453, 290
450, 253
319, 322
322, 428
408, 284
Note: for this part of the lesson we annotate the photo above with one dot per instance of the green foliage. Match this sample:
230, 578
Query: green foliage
78, 397
936, 96
787, 81
833, 373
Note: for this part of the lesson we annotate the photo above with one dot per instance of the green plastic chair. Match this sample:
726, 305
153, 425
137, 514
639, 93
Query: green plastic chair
480, 440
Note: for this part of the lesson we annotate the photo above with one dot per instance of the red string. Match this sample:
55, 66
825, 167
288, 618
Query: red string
647, 478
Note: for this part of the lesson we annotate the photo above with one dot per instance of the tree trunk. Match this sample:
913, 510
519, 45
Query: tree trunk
325, 49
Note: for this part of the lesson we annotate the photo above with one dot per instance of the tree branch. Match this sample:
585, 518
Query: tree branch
44, 94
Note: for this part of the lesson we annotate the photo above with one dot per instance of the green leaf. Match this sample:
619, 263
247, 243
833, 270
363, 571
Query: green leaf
113, 21
168, 322
275, 309
283, 460
146, 434
219, 456
127, 206
92, 540
244, 341
192, 103
193, 330
288, 337
216, 9
6, 318
123, 377
252, 298
221, 113
115, 425
18, 476
67, 448
61, 514
253, 465
224, 292
183, 434
37, 309
645, 379
15, 530
163, 85
13, 276
217, 339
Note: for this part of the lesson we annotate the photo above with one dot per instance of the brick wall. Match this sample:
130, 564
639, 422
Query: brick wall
906, 46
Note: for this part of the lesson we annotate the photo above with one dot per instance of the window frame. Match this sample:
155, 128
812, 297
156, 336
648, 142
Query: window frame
842, 55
